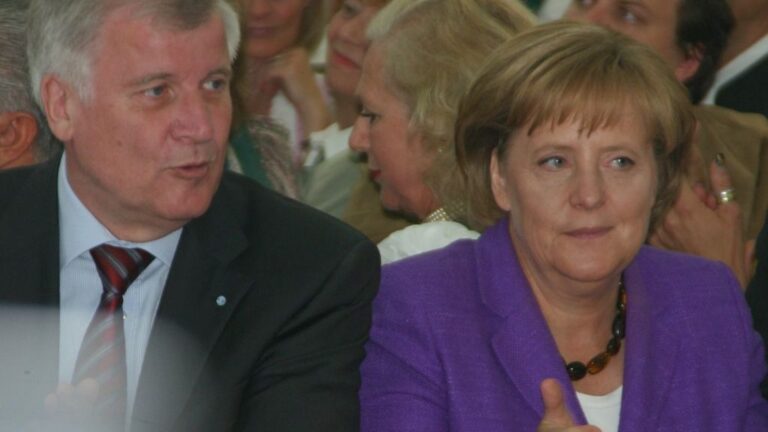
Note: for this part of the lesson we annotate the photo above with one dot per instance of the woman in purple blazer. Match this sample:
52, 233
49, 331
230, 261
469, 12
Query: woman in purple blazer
559, 318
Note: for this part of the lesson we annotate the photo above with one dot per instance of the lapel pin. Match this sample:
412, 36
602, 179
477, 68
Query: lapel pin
221, 300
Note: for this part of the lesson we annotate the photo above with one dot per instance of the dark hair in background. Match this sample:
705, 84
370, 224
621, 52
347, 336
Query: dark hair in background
706, 25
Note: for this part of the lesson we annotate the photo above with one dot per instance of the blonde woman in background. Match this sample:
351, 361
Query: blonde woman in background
423, 56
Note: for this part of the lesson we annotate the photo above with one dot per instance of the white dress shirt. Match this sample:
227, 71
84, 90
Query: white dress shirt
81, 288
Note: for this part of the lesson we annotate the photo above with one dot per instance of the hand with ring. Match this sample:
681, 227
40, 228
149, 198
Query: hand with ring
726, 195
708, 224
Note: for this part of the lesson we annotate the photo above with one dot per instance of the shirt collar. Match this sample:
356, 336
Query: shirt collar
80, 231
737, 66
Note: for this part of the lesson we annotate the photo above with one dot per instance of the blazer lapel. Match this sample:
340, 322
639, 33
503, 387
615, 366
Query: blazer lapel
651, 351
200, 295
522, 343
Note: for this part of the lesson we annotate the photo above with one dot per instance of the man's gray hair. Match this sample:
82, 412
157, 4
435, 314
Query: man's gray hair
63, 33
15, 94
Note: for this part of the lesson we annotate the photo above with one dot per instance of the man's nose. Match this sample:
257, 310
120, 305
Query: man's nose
193, 121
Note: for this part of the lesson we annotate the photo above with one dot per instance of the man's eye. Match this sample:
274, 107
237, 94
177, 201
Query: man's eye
629, 17
156, 91
215, 84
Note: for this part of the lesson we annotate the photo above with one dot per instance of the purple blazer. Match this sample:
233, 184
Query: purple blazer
459, 344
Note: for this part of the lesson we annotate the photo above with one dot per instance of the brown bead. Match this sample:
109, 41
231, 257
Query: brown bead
598, 363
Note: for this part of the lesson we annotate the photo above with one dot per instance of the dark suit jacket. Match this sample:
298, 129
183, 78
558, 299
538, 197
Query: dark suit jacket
281, 354
747, 92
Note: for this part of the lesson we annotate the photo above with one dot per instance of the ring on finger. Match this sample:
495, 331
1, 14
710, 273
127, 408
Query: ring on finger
726, 195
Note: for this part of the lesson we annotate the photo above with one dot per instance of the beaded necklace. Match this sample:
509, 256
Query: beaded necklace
576, 369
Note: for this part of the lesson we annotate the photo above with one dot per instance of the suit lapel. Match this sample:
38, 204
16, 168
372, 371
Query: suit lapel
522, 342
651, 347
200, 295
29, 289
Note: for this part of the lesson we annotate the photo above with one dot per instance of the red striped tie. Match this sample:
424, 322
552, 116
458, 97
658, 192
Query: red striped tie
102, 354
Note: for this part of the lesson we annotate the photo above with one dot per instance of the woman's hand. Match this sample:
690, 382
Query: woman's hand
291, 73
702, 225
556, 416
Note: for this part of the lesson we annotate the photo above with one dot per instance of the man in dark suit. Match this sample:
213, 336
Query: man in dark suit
741, 82
220, 305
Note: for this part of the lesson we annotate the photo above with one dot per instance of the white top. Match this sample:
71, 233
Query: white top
736, 67
602, 411
326, 144
285, 114
553, 10
81, 288
420, 238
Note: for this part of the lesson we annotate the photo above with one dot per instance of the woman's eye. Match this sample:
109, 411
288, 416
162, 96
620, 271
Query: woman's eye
368, 115
349, 9
622, 162
553, 162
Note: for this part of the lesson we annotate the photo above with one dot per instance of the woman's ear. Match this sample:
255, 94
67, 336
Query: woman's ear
499, 185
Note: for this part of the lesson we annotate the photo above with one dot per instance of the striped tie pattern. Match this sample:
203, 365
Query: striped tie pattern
102, 353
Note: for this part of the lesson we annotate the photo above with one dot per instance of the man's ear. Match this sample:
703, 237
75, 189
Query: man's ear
18, 131
690, 64
58, 100
499, 182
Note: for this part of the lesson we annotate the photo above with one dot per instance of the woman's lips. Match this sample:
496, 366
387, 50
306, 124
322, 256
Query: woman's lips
588, 233
374, 174
344, 61
260, 32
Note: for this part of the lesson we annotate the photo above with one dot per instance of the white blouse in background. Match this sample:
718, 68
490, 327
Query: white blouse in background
423, 237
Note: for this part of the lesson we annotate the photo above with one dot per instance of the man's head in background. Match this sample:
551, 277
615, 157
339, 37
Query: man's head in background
690, 34
24, 136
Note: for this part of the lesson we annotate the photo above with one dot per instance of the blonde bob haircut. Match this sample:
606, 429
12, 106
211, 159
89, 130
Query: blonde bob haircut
432, 50
568, 72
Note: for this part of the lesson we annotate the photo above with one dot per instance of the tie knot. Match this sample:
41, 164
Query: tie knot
119, 267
